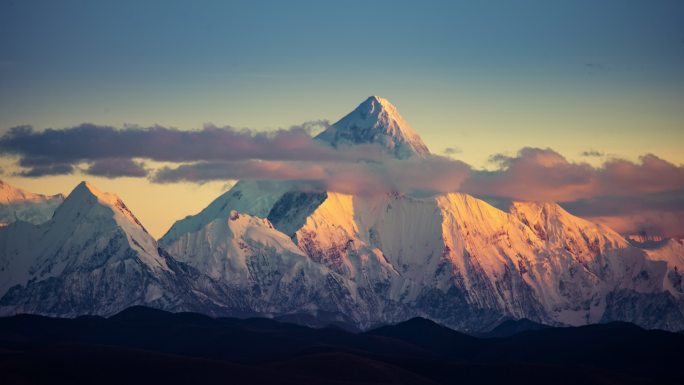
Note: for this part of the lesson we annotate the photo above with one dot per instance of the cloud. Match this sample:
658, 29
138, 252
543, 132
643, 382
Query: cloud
51, 152
607, 205
545, 175
596, 66
415, 176
633, 195
47, 170
651, 175
630, 195
451, 151
592, 153
535, 174
660, 213
222, 153
89, 142
116, 167
651, 222
201, 172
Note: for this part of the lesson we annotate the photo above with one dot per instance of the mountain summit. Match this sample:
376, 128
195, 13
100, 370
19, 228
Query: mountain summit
85, 195
17, 204
91, 257
10, 194
376, 121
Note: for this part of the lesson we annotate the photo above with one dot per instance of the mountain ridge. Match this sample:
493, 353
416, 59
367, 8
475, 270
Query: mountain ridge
272, 249
17, 204
453, 253
92, 257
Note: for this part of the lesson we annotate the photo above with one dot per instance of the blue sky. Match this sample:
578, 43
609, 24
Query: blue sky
452, 68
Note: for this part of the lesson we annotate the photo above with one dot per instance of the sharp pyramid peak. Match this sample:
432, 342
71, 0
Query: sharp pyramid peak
376, 121
375, 100
86, 189
376, 107
87, 195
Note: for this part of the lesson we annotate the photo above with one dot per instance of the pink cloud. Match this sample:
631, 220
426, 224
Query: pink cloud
629, 194
534, 175
422, 176
647, 195
651, 222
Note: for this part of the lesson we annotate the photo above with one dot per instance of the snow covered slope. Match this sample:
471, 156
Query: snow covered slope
92, 257
671, 251
464, 263
275, 277
249, 197
17, 204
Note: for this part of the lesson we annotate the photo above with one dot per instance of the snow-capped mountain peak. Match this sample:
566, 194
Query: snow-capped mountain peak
87, 188
17, 204
89, 193
10, 194
92, 257
85, 195
93, 209
376, 121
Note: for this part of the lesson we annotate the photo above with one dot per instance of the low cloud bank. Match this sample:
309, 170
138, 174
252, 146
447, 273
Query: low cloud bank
414, 176
631, 197
647, 195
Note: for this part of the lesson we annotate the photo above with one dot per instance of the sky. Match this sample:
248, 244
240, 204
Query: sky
593, 81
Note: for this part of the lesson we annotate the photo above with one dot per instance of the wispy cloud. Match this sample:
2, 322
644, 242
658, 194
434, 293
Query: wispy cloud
592, 153
452, 151
617, 189
47, 170
415, 176
117, 167
88, 142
